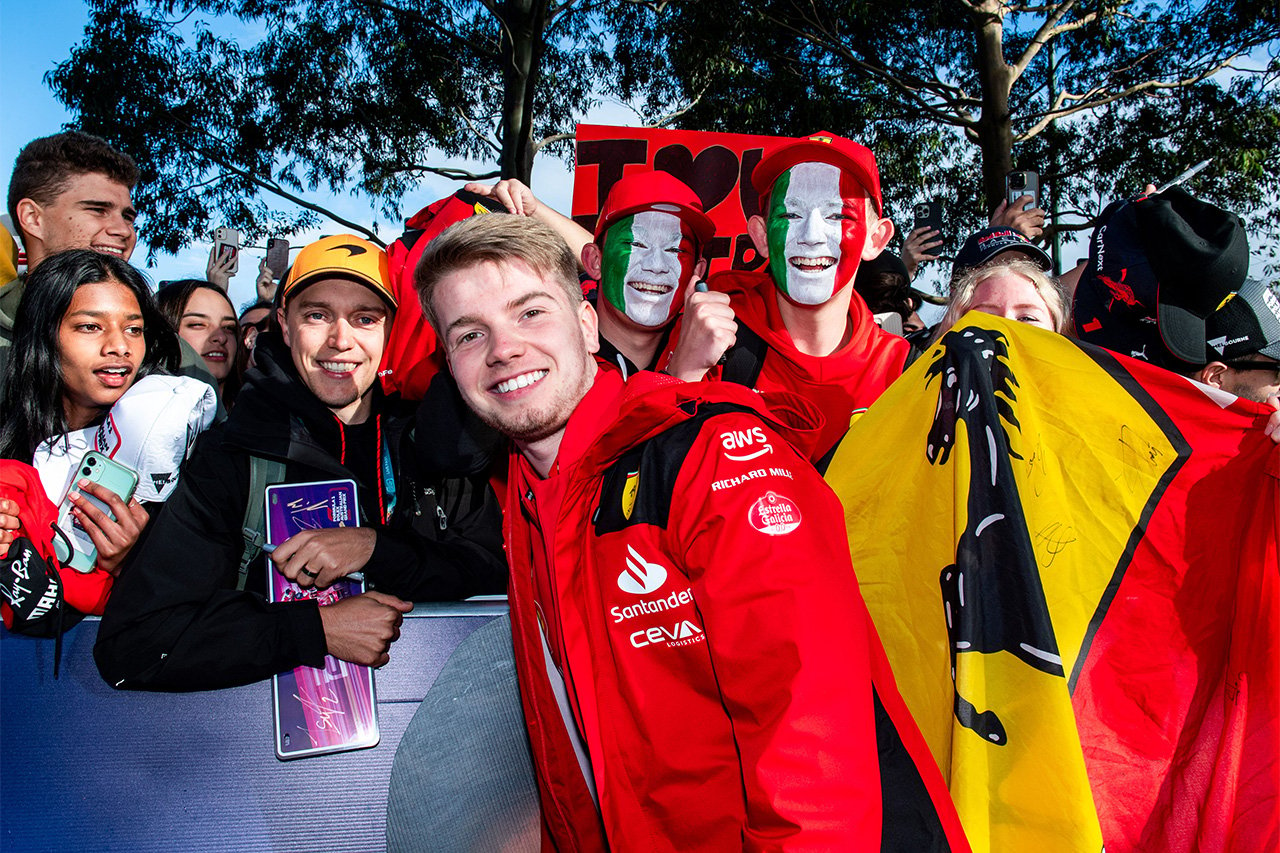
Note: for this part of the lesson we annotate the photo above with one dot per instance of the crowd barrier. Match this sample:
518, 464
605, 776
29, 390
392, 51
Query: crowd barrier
86, 767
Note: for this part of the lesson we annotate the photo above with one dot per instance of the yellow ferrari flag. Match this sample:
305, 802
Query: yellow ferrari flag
995, 497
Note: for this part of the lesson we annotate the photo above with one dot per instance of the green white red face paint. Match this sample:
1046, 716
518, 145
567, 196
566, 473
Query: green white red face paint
817, 229
647, 259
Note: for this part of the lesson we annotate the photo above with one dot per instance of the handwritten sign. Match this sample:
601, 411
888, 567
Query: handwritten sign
717, 166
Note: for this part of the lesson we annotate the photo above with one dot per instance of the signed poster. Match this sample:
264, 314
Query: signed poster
318, 709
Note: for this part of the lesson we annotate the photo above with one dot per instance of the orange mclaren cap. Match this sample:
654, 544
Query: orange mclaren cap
821, 147
341, 256
661, 191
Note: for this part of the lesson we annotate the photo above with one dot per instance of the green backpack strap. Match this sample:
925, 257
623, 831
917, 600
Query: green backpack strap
262, 472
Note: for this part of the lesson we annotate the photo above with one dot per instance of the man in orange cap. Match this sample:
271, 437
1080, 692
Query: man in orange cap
646, 255
188, 614
800, 326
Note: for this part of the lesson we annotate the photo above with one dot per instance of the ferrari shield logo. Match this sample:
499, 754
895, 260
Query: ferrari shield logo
629, 490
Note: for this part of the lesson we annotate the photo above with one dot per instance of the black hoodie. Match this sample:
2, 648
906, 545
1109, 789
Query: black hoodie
175, 620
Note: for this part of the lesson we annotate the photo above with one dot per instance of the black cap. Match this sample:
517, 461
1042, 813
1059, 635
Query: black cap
1248, 322
1199, 254
982, 246
1158, 267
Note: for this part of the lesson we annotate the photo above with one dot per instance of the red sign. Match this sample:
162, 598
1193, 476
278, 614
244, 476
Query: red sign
717, 166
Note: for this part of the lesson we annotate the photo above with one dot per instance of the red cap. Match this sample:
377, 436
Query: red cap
660, 191
821, 147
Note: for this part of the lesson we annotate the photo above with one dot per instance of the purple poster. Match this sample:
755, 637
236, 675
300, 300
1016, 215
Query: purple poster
329, 708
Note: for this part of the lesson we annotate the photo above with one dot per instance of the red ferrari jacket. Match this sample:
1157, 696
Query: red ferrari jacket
690, 574
839, 384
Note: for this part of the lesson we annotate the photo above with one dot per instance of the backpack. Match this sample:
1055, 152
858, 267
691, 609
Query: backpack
411, 358
262, 472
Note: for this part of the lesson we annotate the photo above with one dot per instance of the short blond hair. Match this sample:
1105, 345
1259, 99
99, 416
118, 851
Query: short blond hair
962, 295
495, 238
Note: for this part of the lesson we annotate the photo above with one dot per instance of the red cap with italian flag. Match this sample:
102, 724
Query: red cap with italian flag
821, 147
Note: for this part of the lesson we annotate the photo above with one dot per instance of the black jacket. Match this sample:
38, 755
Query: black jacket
175, 620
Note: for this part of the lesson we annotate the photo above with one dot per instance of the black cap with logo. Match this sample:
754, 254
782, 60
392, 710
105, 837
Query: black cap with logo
1246, 323
982, 246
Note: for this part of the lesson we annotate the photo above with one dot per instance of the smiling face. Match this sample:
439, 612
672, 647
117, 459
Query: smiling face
819, 226
209, 324
92, 212
336, 331
519, 348
647, 262
100, 347
1013, 297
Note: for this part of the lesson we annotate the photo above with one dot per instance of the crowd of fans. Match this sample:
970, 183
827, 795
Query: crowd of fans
567, 420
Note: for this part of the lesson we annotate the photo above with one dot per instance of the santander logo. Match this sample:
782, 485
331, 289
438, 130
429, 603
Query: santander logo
641, 577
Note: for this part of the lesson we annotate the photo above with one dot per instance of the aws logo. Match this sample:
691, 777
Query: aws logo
682, 633
641, 577
743, 445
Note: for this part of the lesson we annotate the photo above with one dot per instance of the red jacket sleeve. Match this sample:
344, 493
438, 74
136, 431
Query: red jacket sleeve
88, 592
764, 545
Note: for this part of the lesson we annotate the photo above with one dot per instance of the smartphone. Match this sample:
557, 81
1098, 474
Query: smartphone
108, 473
1018, 184
277, 256
226, 243
928, 215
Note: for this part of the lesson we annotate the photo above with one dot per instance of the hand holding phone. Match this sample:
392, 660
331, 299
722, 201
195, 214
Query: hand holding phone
226, 249
1019, 184
277, 257
97, 514
928, 215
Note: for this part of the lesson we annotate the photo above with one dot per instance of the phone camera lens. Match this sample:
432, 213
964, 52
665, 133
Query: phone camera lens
1018, 181
91, 461
87, 471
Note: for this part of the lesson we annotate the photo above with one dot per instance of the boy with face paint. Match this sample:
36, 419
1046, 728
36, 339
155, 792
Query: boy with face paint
808, 329
646, 252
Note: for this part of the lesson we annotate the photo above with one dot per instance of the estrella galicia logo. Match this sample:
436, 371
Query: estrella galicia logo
352, 249
641, 577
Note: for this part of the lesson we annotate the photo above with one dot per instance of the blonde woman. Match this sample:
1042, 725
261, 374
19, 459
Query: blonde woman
1017, 289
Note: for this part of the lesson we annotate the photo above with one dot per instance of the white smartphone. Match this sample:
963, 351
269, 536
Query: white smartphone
226, 243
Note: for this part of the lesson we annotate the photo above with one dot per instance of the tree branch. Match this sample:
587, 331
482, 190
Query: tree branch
958, 115
452, 173
552, 139
1050, 29
430, 22
1089, 102
273, 187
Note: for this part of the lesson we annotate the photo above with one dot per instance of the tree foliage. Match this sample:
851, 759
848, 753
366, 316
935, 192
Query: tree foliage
365, 96
1099, 96
358, 96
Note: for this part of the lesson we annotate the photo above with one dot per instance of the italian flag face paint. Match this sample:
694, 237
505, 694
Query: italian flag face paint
817, 229
647, 259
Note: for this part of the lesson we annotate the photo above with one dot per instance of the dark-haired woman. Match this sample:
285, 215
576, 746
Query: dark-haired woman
86, 330
205, 318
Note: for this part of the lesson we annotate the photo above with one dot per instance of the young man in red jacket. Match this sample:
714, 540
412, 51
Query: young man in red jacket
696, 665
800, 326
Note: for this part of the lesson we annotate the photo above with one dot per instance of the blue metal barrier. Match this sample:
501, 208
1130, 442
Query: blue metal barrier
111, 770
